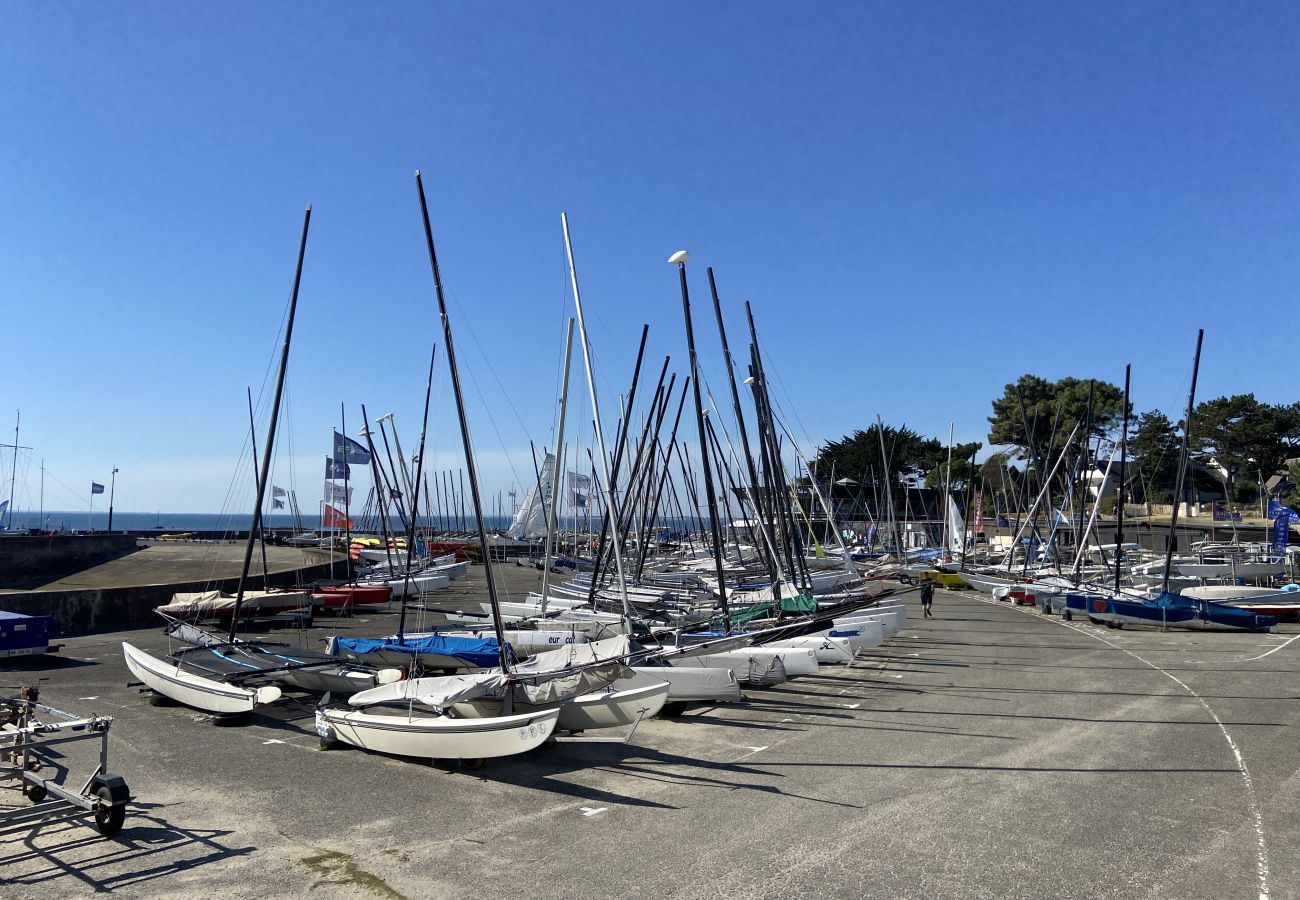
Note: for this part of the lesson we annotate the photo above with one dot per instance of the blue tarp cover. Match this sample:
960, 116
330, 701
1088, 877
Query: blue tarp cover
475, 651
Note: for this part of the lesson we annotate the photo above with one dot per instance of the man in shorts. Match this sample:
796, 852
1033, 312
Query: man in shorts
927, 597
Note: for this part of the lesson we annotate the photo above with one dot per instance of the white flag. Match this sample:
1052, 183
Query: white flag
579, 489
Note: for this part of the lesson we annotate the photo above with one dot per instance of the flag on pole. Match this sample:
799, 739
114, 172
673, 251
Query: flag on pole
1281, 534
336, 519
339, 494
337, 469
277, 504
96, 487
1276, 509
278, 491
579, 489
347, 450
394, 494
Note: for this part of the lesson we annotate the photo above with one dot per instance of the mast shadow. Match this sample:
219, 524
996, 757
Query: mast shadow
147, 848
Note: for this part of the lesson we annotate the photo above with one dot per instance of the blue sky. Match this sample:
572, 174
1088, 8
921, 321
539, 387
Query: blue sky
922, 200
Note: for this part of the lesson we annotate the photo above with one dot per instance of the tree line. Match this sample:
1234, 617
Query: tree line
1248, 440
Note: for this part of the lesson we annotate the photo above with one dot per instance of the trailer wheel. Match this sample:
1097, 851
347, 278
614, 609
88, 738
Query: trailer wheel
672, 710
1119, 624
109, 819
157, 699
1067, 615
904, 578
472, 763
36, 793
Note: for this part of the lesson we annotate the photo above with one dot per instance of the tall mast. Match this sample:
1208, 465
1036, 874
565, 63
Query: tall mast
679, 259
13, 473
750, 468
555, 474
502, 647
270, 436
611, 508
1172, 544
415, 494
1123, 481
947, 493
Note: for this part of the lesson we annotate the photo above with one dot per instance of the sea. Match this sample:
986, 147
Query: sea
83, 520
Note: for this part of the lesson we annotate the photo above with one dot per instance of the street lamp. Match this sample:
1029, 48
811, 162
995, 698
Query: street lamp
1259, 474
112, 488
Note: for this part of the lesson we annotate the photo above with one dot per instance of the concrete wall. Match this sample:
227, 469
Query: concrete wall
114, 609
26, 554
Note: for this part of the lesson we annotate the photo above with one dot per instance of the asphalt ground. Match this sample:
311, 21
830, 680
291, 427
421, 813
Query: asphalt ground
988, 752
166, 562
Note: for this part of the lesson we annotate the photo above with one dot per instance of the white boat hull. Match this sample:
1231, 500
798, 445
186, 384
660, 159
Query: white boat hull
193, 690
437, 737
860, 635
827, 649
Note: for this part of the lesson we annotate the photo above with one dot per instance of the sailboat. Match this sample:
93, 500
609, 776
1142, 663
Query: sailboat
231, 676
1168, 609
438, 717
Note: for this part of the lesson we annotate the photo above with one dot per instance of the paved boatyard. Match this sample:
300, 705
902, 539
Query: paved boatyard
989, 752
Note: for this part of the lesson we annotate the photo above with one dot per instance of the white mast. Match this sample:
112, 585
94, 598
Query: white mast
555, 474
612, 502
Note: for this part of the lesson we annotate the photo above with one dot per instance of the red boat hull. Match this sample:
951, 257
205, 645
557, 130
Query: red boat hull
337, 596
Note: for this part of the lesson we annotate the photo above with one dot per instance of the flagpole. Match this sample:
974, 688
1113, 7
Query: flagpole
347, 471
111, 490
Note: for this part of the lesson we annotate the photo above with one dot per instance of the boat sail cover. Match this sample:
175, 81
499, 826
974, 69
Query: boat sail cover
571, 671
439, 692
530, 521
474, 651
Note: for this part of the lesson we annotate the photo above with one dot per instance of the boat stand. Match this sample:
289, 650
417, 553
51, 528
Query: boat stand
579, 737
28, 730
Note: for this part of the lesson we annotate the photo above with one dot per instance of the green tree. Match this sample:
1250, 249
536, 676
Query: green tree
1051, 410
908, 456
1293, 499
1245, 436
1153, 449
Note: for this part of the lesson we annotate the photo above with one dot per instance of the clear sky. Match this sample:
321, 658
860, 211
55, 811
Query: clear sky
922, 200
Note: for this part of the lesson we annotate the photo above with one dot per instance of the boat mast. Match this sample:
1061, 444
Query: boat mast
555, 473
759, 512
502, 648
415, 495
1123, 482
1171, 543
252, 436
679, 259
611, 509
270, 436
13, 474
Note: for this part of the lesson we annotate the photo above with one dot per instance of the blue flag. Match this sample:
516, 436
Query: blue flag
1276, 509
96, 487
1281, 534
336, 469
347, 450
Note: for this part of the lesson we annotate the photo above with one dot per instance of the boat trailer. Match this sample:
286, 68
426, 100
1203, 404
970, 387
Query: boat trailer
28, 731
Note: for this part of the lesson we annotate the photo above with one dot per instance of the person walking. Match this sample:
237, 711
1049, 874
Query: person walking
927, 597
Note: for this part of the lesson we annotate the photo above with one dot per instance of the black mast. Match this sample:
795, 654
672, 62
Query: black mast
1123, 481
679, 259
270, 436
1172, 543
502, 647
